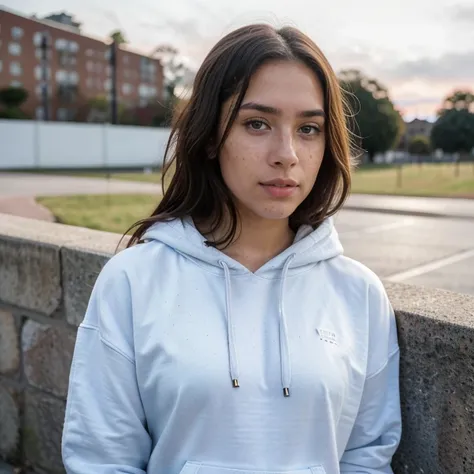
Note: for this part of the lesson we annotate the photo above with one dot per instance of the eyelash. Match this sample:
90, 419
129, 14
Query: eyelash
249, 123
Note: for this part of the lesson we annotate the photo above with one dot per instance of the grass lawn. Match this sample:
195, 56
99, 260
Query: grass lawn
113, 213
116, 213
424, 180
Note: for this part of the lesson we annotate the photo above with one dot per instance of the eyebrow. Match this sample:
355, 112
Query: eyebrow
267, 109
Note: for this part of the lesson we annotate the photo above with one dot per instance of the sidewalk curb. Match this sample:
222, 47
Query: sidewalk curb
407, 212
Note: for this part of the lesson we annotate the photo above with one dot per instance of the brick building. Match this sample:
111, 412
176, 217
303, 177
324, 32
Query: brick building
76, 69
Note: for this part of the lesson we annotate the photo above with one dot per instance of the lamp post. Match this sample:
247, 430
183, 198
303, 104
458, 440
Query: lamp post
113, 71
45, 40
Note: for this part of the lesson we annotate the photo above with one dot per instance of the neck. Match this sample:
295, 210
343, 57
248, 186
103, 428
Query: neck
258, 240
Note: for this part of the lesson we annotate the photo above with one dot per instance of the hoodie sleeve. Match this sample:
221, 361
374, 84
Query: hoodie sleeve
377, 429
105, 427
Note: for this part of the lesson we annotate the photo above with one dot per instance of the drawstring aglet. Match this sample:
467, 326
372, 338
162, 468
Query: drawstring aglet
235, 383
286, 392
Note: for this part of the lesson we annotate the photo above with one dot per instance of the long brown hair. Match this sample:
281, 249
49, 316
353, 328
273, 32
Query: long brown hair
197, 188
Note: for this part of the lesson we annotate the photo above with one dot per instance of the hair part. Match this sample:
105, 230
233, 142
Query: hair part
197, 188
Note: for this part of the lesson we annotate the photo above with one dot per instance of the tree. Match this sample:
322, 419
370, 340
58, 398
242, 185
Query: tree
419, 145
176, 73
459, 100
453, 132
377, 123
99, 109
13, 97
118, 37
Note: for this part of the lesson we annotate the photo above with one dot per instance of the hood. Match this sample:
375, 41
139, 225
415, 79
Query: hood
310, 246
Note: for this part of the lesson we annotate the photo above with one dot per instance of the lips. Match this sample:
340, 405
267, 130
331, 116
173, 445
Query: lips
281, 183
280, 188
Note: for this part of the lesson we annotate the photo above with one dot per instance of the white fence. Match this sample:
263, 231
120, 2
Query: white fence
26, 144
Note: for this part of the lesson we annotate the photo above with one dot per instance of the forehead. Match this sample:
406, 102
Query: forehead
286, 85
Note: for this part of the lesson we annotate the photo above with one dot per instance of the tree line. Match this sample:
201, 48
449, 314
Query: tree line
377, 126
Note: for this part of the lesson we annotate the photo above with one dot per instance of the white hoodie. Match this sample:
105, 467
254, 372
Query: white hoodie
172, 325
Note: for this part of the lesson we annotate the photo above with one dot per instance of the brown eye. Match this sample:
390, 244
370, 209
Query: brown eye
256, 125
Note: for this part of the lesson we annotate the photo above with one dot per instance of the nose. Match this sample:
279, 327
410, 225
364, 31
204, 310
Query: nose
284, 151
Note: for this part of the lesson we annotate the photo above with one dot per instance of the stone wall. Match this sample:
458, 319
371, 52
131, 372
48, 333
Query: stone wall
46, 275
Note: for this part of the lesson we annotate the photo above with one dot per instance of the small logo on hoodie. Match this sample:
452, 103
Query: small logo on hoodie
327, 336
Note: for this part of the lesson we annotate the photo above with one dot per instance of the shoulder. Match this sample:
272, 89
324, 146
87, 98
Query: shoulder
131, 261
352, 272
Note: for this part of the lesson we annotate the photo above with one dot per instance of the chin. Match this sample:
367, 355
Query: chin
276, 212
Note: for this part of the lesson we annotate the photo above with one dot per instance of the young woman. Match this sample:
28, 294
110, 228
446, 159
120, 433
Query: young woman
232, 336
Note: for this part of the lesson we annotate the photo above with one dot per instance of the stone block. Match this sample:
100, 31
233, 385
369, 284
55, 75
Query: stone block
30, 267
30, 275
43, 425
9, 425
47, 356
9, 344
80, 271
436, 334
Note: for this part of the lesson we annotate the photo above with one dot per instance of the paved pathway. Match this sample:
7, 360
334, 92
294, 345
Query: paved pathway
27, 184
421, 206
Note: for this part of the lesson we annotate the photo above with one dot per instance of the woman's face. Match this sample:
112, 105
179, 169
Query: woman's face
273, 153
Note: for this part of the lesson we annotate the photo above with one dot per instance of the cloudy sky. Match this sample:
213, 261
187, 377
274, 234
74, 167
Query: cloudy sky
420, 49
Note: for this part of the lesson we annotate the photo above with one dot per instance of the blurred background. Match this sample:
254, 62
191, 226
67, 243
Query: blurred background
88, 92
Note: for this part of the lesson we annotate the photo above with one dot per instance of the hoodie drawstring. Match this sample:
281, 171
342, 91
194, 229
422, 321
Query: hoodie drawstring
285, 362
234, 366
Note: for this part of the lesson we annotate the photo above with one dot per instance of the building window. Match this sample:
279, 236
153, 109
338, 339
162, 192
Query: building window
107, 84
37, 37
61, 76
89, 66
64, 58
16, 84
39, 54
14, 49
15, 69
17, 32
39, 73
90, 82
61, 44
98, 67
125, 59
67, 93
73, 47
73, 77
127, 89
